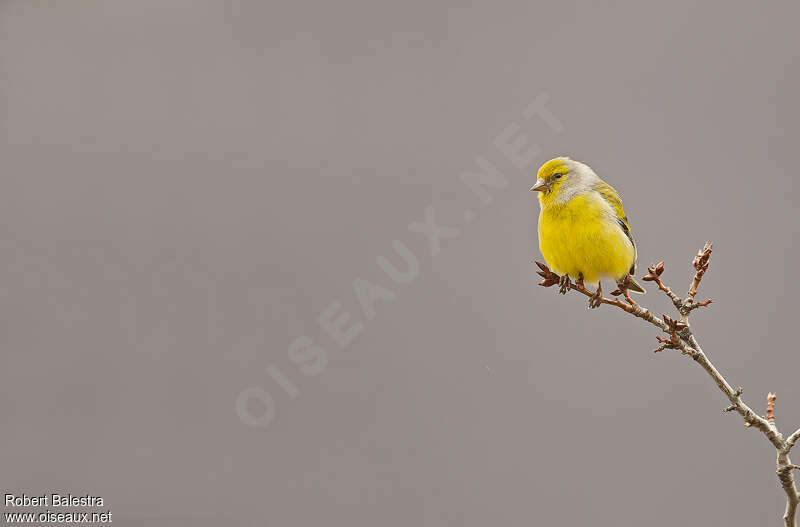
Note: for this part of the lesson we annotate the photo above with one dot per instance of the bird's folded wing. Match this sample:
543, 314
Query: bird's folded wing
612, 198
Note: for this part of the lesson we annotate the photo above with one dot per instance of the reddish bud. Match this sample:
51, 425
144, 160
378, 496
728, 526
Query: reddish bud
549, 281
700, 261
771, 405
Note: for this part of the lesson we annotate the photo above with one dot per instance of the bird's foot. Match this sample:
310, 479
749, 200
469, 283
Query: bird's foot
595, 300
579, 281
564, 284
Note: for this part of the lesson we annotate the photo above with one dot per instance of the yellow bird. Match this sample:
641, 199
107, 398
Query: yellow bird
583, 230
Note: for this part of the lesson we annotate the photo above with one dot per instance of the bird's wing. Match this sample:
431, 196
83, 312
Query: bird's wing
612, 198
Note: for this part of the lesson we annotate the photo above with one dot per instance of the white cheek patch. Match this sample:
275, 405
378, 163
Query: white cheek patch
578, 182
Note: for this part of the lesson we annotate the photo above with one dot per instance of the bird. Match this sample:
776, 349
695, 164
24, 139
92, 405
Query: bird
584, 232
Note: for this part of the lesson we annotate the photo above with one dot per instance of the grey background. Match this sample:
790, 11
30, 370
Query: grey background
186, 186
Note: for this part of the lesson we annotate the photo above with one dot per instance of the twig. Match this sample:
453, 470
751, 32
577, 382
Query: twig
771, 397
682, 338
695, 305
654, 275
700, 264
792, 439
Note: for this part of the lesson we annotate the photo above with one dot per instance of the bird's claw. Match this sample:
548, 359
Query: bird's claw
564, 284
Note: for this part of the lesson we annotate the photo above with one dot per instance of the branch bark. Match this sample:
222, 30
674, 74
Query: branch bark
682, 338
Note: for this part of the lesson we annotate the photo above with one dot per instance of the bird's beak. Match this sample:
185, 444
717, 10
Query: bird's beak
540, 186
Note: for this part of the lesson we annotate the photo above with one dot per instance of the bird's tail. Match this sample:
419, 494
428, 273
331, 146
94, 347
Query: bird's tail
634, 286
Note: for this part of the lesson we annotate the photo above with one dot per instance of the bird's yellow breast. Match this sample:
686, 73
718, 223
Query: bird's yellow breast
582, 237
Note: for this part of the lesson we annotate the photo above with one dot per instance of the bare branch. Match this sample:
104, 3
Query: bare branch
682, 338
735, 397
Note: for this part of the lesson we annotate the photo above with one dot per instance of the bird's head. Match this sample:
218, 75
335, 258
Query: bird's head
561, 178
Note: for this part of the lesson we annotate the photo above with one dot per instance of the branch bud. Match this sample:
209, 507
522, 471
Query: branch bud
550, 278
700, 261
771, 397
654, 272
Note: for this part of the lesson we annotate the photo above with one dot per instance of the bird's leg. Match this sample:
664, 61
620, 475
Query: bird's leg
595, 299
563, 284
579, 281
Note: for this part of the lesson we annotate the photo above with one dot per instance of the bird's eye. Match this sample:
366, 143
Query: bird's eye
558, 175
